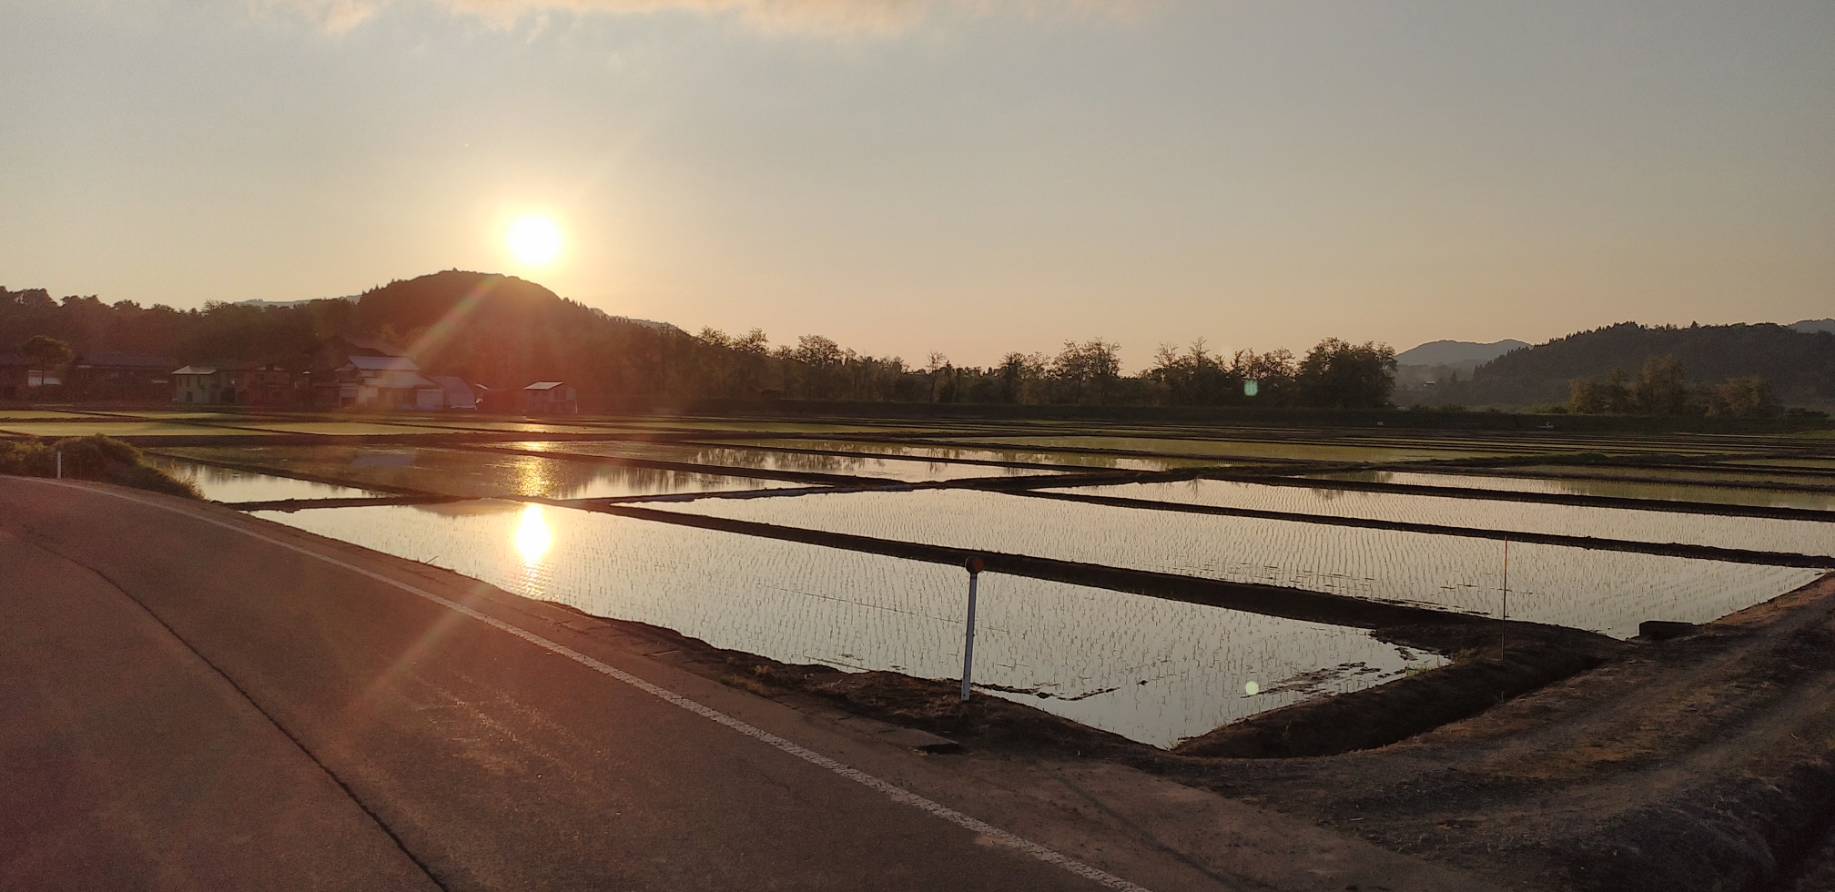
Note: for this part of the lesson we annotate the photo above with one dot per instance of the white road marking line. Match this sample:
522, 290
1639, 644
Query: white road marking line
888, 789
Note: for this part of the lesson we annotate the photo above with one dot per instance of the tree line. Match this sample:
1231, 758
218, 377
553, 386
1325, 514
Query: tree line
504, 332
1662, 387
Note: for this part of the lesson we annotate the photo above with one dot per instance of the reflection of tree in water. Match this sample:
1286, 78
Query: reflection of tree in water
813, 462
473, 474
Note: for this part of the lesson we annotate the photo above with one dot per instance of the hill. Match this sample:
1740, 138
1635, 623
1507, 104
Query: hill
1800, 365
1812, 326
1457, 354
496, 330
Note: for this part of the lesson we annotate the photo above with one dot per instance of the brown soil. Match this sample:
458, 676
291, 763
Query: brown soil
1700, 763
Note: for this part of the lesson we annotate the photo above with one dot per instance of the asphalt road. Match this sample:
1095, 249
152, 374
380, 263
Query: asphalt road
190, 705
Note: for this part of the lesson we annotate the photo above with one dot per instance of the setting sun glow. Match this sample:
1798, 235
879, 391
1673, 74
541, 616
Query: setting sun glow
533, 537
534, 241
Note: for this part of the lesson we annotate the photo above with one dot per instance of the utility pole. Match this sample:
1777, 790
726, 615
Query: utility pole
974, 566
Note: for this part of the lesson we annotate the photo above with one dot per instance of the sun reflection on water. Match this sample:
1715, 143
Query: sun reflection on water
533, 535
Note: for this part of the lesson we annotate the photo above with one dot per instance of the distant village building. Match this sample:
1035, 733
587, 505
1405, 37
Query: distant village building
21, 376
108, 375
194, 384
234, 384
459, 395
386, 382
342, 372
549, 398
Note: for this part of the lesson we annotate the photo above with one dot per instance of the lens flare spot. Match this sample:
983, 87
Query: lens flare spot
1252, 688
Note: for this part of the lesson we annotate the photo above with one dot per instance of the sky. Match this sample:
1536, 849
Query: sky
962, 176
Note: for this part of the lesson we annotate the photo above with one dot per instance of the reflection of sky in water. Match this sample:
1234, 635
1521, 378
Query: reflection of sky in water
482, 474
1683, 475
229, 485
1258, 449
1604, 591
1761, 534
1154, 670
1675, 492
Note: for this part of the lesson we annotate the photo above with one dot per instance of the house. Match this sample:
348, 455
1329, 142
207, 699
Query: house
459, 395
110, 375
234, 383
549, 398
398, 385
23, 378
267, 384
196, 384
386, 382
338, 367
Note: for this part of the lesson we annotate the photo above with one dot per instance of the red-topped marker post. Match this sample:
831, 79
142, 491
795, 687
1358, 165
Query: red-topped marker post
974, 566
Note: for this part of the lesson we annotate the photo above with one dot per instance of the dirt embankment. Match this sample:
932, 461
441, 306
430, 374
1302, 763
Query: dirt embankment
1700, 763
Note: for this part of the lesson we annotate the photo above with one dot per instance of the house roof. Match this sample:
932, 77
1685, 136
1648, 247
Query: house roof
545, 385
372, 345
383, 363
196, 370
402, 379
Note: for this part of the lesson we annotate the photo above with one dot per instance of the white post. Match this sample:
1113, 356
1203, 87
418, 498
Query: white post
1504, 632
968, 642
60, 464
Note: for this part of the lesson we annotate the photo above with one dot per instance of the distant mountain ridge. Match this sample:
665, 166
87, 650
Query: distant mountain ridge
1798, 360
1812, 326
1457, 353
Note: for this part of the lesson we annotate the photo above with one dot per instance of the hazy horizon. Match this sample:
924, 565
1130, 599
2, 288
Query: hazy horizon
906, 177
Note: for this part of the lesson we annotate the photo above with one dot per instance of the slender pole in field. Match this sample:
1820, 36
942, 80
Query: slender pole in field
974, 566
1503, 632
60, 464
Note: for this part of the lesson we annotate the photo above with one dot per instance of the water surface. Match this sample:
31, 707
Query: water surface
478, 473
232, 485
947, 452
1153, 670
882, 467
1638, 525
1618, 489
1603, 591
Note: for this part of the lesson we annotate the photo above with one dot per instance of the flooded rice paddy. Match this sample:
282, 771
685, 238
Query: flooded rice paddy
1255, 449
1152, 670
887, 468
1618, 489
118, 428
1757, 534
470, 473
230, 485
1086, 461
1603, 591
1686, 475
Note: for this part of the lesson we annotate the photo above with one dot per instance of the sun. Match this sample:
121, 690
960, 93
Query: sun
534, 241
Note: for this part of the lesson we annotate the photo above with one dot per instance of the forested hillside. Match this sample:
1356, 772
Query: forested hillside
503, 331
1799, 365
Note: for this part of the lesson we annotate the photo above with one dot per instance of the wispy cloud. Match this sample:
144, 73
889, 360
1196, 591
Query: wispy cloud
816, 17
